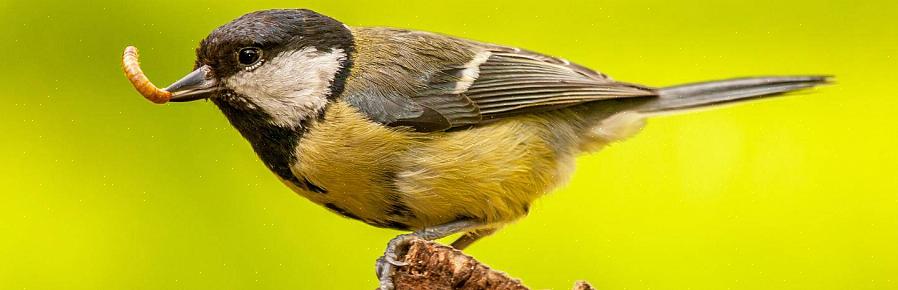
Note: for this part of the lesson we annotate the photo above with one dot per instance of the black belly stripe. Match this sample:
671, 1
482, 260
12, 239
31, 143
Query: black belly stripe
397, 225
312, 187
397, 207
390, 224
463, 217
341, 211
381, 224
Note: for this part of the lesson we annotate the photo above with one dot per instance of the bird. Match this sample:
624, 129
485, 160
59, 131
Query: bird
424, 132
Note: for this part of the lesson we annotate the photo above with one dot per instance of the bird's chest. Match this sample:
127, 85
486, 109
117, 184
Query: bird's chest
349, 165
399, 179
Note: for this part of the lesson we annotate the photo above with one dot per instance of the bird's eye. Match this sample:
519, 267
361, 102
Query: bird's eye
249, 56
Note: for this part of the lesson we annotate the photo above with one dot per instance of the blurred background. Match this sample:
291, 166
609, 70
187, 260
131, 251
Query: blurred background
104, 190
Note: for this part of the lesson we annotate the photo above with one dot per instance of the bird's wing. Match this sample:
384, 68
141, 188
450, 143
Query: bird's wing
432, 82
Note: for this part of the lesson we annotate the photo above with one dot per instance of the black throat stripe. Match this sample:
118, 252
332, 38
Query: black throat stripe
275, 145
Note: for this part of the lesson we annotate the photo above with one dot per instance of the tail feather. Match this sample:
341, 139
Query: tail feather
706, 94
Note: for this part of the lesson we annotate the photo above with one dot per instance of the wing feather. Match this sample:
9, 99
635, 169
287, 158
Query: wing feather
433, 82
521, 81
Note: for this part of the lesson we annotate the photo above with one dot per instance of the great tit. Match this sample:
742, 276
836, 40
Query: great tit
420, 131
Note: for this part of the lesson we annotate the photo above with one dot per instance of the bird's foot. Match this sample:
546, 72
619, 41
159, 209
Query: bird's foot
387, 264
398, 246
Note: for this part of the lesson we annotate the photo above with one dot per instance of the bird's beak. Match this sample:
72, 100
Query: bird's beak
199, 84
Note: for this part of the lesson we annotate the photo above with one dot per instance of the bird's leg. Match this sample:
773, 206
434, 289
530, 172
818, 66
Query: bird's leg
387, 264
470, 237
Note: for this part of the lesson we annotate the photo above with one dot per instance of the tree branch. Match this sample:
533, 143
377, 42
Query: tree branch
432, 266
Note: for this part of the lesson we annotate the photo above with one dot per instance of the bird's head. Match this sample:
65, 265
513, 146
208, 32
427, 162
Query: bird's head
285, 64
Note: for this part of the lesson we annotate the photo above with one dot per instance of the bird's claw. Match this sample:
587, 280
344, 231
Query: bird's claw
396, 246
387, 264
385, 274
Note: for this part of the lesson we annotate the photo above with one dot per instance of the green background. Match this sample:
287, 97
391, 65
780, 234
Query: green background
103, 190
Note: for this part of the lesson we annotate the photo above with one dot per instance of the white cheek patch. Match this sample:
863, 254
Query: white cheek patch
292, 86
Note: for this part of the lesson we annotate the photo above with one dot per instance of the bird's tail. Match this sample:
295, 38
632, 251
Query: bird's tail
708, 94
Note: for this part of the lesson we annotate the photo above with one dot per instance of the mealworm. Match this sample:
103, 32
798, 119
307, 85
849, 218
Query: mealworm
131, 66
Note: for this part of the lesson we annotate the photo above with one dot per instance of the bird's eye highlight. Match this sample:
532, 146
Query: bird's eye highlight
249, 56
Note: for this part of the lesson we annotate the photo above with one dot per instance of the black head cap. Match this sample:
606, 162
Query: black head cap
273, 31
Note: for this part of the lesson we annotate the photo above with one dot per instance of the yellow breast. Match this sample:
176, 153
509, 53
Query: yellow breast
396, 178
